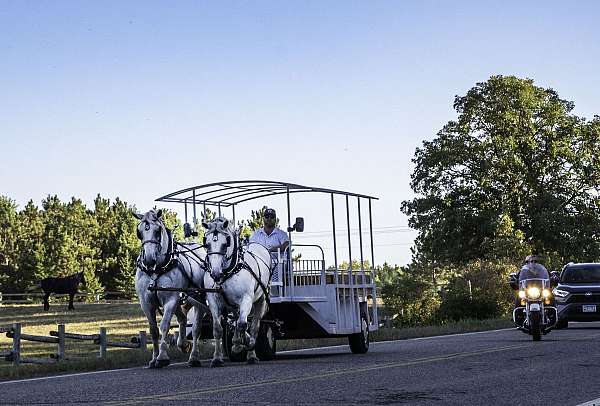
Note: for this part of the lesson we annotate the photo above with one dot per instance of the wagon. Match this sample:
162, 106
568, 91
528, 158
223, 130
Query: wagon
309, 298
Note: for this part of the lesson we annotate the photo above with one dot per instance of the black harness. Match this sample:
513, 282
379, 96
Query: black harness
172, 259
236, 264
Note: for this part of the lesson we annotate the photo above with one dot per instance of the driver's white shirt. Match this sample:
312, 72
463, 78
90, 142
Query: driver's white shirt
275, 239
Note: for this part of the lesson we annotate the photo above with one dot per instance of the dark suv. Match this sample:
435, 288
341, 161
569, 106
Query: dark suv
578, 294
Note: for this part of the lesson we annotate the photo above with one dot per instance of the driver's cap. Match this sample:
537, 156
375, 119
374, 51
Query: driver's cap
270, 213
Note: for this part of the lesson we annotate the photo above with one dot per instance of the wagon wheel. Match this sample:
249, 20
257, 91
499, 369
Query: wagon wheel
359, 342
228, 344
266, 342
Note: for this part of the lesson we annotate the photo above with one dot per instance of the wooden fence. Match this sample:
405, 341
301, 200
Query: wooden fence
36, 297
58, 337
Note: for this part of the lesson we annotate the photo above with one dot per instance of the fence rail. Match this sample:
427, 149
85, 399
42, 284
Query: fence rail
59, 337
36, 297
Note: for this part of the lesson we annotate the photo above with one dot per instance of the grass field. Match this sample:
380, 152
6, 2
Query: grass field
124, 321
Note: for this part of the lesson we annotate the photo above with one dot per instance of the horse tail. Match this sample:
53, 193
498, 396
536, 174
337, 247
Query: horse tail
35, 287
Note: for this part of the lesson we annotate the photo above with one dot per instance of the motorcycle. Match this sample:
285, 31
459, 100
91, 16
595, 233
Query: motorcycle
535, 313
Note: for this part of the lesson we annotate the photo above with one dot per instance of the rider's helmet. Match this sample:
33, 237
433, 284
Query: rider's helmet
532, 259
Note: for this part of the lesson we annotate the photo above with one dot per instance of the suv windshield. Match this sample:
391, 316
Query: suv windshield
581, 275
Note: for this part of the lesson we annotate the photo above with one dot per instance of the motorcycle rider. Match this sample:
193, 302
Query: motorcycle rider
531, 269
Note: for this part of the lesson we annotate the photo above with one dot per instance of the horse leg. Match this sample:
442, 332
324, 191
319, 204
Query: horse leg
168, 309
182, 342
151, 316
194, 360
215, 311
241, 338
46, 303
258, 310
71, 295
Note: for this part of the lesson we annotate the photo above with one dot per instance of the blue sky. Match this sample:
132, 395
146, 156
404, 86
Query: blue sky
137, 99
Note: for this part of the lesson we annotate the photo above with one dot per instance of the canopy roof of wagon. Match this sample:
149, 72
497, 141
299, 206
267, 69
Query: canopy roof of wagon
230, 193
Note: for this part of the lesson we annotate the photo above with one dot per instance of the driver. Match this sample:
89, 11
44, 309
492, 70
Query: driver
274, 239
271, 236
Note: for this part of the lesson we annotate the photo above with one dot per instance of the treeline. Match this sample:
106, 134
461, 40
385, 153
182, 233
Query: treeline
515, 173
62, 238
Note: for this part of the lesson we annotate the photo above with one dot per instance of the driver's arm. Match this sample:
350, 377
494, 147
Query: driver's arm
283, 246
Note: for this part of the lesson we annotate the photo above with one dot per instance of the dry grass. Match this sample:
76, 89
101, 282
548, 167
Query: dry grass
122, 321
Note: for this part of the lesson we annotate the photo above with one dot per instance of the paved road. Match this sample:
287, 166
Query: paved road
492, 368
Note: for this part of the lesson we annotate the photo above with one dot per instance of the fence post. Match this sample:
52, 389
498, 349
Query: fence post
16, 351
102, 342
143, 341
61, 342
470, 290
0, 298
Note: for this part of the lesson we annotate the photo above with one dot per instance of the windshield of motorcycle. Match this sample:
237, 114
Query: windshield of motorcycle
533, 271
534, 283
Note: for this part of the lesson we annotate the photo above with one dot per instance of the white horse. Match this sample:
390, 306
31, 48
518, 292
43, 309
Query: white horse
163, 263
243, 275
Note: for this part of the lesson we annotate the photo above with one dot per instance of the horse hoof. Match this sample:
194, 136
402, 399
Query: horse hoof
194, 363
215, 363
252, 361
160, 363
186, 348
152, 364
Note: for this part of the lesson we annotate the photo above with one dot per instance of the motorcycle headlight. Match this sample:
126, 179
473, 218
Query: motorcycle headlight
533, 292
546, 293
560, 293
522, 294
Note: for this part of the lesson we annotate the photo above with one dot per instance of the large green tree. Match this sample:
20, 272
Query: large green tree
516, 151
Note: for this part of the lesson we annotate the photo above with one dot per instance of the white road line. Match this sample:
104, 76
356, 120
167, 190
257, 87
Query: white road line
595, 402
42, 378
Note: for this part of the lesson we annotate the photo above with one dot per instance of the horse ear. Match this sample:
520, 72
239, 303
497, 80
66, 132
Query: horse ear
159, 213
226, 224
137, 216
205, 225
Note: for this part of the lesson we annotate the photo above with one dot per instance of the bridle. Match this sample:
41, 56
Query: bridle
232, 260
168, 255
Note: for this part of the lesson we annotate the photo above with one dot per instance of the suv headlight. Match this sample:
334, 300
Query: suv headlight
522, 294
546, 293
560, 293
533, 292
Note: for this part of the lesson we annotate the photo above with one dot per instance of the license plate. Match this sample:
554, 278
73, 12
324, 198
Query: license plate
534, 307
589, 308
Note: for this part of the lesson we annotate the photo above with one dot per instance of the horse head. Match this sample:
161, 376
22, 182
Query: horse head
153, 234
81, 278
220, 246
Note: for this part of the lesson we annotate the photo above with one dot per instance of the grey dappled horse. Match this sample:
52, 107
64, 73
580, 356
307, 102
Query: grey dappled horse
244, 278
163, 263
